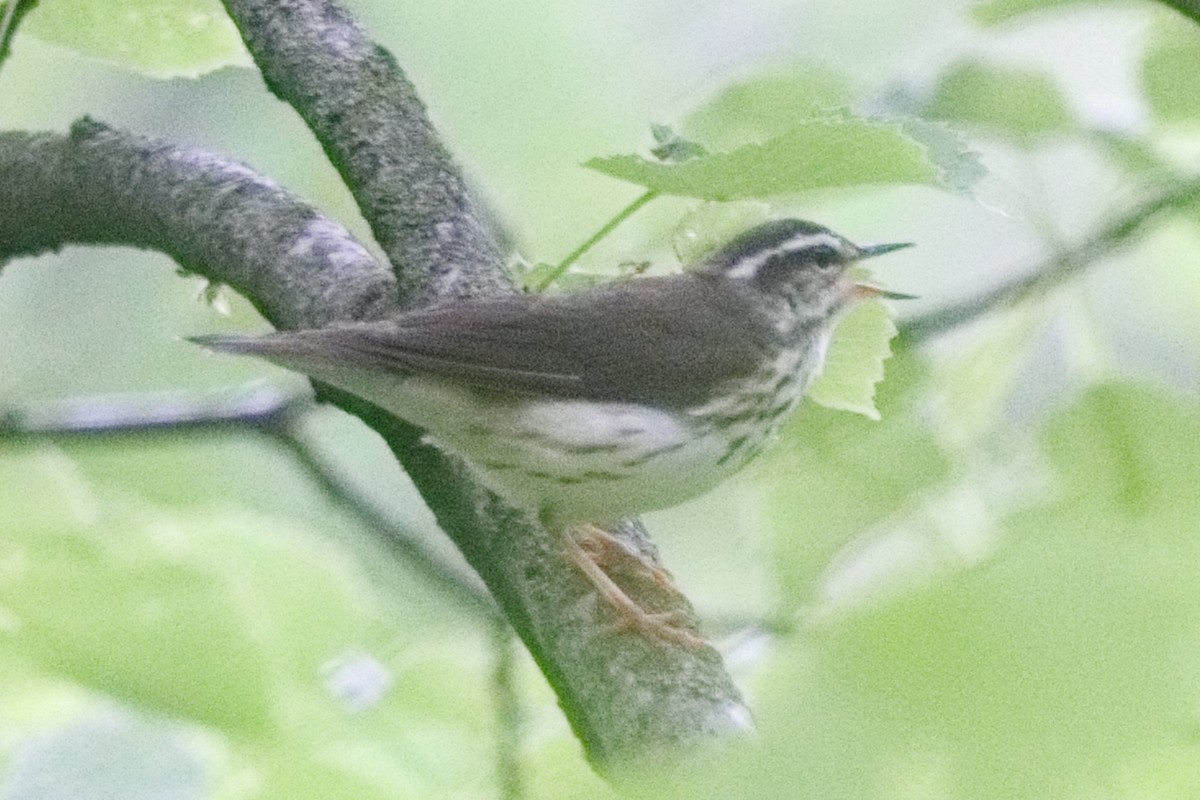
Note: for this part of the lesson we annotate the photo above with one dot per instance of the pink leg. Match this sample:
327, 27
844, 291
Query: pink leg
598, 545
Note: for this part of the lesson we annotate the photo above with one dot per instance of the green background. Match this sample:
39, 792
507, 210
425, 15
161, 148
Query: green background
993, 591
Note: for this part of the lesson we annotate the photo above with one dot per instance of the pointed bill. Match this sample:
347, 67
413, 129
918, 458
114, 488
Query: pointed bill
867, 290
864, 291
870, 251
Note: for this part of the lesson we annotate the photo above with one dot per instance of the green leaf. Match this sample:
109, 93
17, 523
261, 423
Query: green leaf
959, 166
854, 363
672, 147
994, 12
1137, 156
1126, 450
161, 635
819, 153
1007, 101
206, 616
159, 38
766, 106
1169, 72
975, 381
286, 774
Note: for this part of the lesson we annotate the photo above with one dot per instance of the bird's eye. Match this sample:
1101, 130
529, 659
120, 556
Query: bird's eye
824, 256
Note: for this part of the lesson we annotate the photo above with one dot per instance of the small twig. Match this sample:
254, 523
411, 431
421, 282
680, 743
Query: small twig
1189, 8
261, 409
411, 549
1057, 269
605, 230
508, 714
152, 413
13, 11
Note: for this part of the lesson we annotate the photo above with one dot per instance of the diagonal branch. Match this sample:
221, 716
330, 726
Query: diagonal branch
375, 131
1060, 267
628, 698
254, 410
11, 13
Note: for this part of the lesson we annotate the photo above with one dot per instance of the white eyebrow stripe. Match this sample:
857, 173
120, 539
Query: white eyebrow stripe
750, 266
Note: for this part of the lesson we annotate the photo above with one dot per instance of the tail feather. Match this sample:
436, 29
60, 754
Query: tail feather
320, 353
300, 351
226, 344
291, 350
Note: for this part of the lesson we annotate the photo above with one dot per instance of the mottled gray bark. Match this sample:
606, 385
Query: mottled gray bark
630, 699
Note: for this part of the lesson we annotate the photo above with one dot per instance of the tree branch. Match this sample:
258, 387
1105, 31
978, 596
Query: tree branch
10, 17
257, 410
508, 715
375, 131
1057, 269
631, 700
214, 216
626, 697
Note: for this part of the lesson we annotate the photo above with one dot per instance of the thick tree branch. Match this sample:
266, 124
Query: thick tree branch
374, 129
630, 699
626, 696
213, 215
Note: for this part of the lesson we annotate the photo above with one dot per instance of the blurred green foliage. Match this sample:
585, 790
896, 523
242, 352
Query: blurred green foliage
991, 592
1023, 103
162, 38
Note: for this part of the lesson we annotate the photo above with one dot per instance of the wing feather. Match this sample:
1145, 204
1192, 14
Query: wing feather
671, 342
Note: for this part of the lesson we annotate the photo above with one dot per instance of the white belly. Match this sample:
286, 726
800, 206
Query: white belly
593, 462
579, 461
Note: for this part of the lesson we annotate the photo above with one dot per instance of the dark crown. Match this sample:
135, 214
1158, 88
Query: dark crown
779, 251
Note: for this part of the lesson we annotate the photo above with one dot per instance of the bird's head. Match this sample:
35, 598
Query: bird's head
799, 263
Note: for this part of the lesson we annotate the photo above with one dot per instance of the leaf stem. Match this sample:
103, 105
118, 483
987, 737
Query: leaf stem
1189, 8
508, 713
605, 230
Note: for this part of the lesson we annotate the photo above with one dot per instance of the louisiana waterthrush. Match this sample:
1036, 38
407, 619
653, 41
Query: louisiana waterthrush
589, 407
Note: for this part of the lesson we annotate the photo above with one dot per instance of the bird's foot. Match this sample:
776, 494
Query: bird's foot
610, 553
596, 552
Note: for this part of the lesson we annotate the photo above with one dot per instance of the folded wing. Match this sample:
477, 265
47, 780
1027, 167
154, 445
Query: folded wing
670, 342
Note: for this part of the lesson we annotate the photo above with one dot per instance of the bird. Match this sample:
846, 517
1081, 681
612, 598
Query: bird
585, 408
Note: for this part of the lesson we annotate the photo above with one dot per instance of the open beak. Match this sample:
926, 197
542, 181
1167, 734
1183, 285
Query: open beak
863, 291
